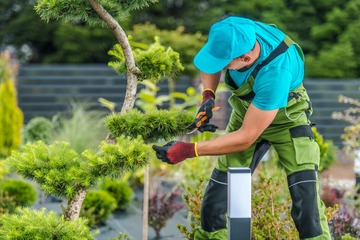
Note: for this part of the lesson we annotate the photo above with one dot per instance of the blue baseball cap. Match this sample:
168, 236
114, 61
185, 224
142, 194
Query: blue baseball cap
228, 39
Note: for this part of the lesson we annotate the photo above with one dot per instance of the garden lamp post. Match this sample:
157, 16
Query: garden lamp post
239, 203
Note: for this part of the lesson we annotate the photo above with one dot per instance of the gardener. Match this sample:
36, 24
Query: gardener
264, 69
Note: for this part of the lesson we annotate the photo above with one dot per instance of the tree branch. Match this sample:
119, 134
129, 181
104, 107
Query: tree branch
132, 70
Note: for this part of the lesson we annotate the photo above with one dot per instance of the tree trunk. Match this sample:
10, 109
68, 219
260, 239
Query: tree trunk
132, 70
74, 205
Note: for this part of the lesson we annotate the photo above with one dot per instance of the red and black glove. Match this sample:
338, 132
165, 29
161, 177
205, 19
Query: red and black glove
175, 152
207, 105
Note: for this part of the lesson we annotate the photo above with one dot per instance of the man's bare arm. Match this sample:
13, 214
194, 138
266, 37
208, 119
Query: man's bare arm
255, 122
210, 81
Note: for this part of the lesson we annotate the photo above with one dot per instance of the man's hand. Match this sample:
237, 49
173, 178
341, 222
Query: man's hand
203, 116
175, 152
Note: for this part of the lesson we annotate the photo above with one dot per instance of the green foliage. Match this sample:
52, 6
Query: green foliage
34, 224
61, 171
97, 207
155, 62
38, 129
326, 64
57, 167
327, 150
271, 218
193, 199
24, 193
152, 126
76, 43
184, 43
81, 11
83, 129
324, 29
128, 154
7, 203
120, 191
148, 100
121, 236
347, 237
351, 135
11, 116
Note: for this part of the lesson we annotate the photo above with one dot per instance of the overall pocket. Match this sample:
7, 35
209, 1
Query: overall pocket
306, 148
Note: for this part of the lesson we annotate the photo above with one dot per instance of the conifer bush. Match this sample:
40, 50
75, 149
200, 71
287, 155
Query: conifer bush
23, 193
120, 190
152, 126
41, 224
97, 207
11, 116
61, 171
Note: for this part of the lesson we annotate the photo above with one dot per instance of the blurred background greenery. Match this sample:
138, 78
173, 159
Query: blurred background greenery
326, 29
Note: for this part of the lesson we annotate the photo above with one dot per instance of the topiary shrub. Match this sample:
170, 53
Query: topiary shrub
120, 191
38, 128
23, 192
97, 207
35, 224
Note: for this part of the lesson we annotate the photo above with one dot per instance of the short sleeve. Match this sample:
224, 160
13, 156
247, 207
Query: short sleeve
271, 87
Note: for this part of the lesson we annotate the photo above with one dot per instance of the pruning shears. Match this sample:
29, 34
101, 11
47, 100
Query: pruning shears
200, 118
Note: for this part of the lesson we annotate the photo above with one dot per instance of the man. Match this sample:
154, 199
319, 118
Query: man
264, 69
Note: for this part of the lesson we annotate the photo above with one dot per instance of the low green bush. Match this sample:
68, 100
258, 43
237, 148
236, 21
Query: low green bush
120, 191
97, 207
35, 224
38, 128
24, 193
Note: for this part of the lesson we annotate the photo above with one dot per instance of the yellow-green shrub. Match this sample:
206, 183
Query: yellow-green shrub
11, 117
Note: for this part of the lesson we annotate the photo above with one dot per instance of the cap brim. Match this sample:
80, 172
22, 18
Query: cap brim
209, 64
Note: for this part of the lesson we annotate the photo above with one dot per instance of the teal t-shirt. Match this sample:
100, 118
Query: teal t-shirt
275, 80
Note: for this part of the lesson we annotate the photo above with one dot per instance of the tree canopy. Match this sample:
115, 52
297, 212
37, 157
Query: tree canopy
327, 30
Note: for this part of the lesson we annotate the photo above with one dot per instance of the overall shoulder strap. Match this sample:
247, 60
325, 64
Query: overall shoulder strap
281, 48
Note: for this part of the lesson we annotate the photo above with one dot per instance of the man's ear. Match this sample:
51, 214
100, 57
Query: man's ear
245, 58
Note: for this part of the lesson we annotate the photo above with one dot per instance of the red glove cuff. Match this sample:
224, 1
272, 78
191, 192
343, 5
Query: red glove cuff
207, 93
180, 151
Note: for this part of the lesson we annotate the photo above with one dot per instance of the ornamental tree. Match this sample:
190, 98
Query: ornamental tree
62, 171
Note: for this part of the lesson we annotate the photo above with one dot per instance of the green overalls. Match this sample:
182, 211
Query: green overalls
291, 136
